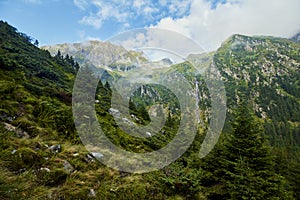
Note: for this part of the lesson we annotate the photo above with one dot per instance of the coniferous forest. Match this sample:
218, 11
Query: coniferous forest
257, 155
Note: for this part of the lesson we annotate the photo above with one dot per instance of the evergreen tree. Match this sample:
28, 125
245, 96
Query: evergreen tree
249, 172
241, 165
67, 58
144, 113
107, 85
99, 86
169, 121
72, 62
59, 55
214, 176
132, 107
36, 43
76, 66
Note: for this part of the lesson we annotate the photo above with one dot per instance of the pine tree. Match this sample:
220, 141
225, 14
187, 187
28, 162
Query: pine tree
107, 85
67, 58
36, 43
249, 172
214, 176
144, 113
132, 107
76, 66
59, 55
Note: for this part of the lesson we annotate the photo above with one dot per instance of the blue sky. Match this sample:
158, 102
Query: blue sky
209, 22
54, 21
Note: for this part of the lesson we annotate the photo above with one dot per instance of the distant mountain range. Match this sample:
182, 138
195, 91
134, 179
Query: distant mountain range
105, 55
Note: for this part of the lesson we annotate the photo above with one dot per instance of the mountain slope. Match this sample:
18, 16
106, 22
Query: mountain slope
266, 71
41, 155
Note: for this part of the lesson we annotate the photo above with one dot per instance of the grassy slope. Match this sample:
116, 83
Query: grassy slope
36, 113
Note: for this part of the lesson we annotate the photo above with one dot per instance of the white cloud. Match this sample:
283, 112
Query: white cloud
157, 43
93, 20
163, 2
138, 3
105, 11
144, 8
127, 25
149, 10
179, 8
82, 4
90, 38
210, 27
124, 11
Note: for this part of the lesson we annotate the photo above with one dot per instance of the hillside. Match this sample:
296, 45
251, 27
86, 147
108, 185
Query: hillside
266, 71
42, 157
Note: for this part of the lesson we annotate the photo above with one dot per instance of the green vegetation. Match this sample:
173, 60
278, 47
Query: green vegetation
242, 167
257, 156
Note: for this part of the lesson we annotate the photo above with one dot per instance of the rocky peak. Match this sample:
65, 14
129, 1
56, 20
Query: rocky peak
98, 53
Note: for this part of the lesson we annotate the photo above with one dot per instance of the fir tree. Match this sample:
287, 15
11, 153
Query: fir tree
107, 85
59, 55
144, 113
249, 172
241, 165
36, 43
132, 107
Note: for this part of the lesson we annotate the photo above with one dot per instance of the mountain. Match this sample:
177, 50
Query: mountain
98, 53
263, 69
113, 59
42, 157
254, 64
266, 71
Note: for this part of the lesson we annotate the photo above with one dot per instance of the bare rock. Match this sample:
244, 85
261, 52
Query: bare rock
92, 193
20, 133
68, 167
55, 148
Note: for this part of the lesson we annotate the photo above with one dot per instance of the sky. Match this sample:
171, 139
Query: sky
207, 22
